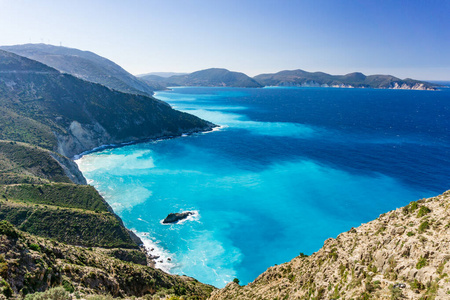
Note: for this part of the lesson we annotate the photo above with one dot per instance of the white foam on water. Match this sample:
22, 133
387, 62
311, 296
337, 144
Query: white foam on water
111, 162
164, 260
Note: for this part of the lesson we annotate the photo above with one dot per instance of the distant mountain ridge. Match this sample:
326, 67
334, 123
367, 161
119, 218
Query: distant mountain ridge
83, 64
214, 77
162, 74
351, 80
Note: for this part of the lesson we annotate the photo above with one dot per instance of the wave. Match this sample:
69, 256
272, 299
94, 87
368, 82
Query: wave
163, 259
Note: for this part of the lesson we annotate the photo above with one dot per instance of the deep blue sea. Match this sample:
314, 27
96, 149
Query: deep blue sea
287, 169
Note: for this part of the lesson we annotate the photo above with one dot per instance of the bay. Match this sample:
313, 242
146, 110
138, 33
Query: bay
287, 169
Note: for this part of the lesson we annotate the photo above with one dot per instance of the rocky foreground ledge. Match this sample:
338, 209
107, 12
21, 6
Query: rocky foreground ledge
403, 254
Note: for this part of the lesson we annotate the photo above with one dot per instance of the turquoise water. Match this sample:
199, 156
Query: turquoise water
287, 169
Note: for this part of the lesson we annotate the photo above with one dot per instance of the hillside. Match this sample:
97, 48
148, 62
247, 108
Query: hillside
68, 115
50, 218
161, 74
209, 77
37, 195
357, 80
403, 254
30, 264
23, 163
57, 233
85, 65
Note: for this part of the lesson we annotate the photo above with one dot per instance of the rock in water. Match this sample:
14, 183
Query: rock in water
175, 217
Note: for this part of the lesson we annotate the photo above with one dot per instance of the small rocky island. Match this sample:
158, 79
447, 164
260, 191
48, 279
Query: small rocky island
175, 217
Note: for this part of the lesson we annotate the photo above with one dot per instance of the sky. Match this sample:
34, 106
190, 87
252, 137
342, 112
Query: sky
407, 38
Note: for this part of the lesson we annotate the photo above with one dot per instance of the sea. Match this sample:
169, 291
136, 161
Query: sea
286, 169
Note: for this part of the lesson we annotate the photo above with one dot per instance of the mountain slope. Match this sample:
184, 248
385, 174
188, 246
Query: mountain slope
69, 115
45, 196
404, 254
83, 64
208, 77
37, 195
357, 80
24, 163
29, 264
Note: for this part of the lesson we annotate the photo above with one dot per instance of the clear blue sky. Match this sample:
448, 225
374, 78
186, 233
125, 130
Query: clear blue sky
405, 38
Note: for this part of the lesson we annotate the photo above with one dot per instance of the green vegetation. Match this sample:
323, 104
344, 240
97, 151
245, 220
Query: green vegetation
83, 64
42, 193
72, 226
208, 77
417, 285
57, 293
423, 226
45, 102
22, 163
58, 194
16, 127
300, 77
134, 256
421, 263
8, 229
423, 210
396, 293
46, 264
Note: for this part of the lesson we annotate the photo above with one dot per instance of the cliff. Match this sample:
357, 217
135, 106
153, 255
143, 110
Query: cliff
403, 254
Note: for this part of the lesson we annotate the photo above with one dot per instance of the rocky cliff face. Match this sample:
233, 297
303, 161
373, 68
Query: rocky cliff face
403, 254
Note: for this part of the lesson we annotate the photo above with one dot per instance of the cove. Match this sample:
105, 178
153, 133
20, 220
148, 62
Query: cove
287, 169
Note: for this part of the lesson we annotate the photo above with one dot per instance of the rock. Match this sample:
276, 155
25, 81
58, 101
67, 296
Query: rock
175, 217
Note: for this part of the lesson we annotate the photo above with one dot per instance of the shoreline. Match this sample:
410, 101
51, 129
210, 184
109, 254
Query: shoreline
145, 140
148, 245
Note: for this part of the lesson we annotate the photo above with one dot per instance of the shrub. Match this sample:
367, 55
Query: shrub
423, 226
417, 285
423, 210
396, 293
413, 206
100, 297
235, 280
3, 269
421, 263
8, 229
68, 286
35, 247
5, 288
57, 293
